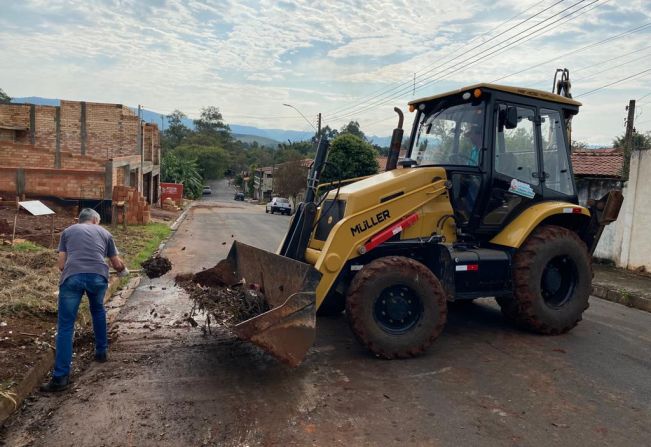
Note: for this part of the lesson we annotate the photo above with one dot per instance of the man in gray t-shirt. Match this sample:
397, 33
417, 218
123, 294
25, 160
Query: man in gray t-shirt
82, 250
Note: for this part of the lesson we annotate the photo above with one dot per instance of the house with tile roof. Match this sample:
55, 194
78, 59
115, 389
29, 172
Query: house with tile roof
597, 171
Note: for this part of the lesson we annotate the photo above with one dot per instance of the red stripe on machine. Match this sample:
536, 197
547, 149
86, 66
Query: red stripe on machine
467, 268
388, 233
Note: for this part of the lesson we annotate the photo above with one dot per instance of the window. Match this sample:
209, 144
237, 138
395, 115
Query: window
515, 149
450, 136
558, 175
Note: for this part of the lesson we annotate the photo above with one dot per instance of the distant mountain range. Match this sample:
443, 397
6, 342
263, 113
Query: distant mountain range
247, 134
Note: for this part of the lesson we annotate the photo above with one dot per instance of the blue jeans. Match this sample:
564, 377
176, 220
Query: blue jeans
70, 294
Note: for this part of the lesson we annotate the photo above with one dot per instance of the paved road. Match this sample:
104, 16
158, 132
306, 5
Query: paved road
481, 384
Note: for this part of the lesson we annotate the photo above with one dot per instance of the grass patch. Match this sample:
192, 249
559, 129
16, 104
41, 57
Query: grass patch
138, 243
30, 279
26, 246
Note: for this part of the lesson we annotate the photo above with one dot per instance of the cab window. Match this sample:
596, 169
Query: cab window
556, 164
515, 153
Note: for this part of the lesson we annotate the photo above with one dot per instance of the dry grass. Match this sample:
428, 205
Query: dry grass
30, 280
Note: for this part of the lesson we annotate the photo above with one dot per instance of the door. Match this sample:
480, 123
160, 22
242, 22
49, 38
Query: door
516, 165
557, 179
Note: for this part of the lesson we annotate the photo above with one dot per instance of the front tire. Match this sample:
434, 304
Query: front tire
396, 307
552, 280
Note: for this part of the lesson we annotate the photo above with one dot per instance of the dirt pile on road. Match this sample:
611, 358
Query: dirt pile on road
156, 266
227, 305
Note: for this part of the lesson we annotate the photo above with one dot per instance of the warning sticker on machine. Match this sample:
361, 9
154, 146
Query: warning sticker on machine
521, 189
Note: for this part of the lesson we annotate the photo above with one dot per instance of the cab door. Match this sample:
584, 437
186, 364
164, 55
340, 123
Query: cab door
556, 174
516, 168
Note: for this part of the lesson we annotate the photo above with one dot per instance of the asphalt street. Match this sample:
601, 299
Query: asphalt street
483, 383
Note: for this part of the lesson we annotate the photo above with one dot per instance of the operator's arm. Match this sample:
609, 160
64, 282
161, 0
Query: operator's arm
113, 255
117, 263
61, 260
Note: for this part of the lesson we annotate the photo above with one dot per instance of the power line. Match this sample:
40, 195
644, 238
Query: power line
472, 62
617, 36
388, 96
423, 71
597, 63
613, 83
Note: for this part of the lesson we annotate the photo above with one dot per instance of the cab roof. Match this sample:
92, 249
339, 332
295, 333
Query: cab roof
522, 91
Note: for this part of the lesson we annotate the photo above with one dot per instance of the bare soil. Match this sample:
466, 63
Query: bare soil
224, 305
21, 340
28, 304
36, 229
156, 266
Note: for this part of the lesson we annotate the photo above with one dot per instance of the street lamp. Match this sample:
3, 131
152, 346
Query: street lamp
308, 121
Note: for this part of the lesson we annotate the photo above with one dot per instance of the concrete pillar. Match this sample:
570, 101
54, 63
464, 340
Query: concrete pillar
20, 181
108, 181
57, 153
32, 124
82, 125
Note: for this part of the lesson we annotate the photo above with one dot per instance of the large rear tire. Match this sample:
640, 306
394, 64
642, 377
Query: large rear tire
552, 280
396, 307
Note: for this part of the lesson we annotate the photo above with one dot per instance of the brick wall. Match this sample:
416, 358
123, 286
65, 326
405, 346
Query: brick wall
69, 183
15, 115
75, 137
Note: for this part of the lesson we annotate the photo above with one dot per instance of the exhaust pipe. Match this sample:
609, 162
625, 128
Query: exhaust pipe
396, 142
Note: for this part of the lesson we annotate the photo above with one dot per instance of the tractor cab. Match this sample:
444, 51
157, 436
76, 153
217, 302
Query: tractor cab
503, 149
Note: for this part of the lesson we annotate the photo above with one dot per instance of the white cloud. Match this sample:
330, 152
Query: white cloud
250, 57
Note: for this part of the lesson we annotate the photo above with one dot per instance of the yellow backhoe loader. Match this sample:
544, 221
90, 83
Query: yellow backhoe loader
483, 205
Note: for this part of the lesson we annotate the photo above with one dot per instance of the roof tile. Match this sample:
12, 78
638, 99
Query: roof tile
607, 163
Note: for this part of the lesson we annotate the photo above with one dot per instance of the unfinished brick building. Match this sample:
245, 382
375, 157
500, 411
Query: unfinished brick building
76, 151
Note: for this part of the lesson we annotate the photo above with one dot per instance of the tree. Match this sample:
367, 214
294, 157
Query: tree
212, 161
4, 98
176, 169
641, 141
353, 129
290, 178
349, 157
176, 131
211, 121
578, 146
326, 132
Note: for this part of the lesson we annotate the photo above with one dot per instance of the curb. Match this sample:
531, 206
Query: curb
181, 218
43, 366
621, 296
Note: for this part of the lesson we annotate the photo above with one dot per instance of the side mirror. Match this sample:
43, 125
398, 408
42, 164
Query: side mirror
511, 117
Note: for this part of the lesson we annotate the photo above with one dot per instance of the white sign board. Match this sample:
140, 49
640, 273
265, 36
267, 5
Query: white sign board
36, 208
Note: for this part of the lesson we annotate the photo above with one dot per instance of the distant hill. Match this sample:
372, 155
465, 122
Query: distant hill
241, 132
262, 141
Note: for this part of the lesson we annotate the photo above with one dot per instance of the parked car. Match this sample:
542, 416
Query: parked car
279, 205
239, 196
207, 190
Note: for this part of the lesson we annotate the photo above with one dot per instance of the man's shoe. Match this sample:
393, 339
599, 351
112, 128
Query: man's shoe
55, 384
101, 357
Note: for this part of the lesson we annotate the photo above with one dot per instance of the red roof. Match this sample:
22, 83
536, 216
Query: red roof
602, 163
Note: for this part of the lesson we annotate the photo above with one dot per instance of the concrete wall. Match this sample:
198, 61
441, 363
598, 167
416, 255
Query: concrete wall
627, 241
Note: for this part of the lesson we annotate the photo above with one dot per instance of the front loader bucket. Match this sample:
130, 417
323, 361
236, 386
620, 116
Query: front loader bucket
288, 329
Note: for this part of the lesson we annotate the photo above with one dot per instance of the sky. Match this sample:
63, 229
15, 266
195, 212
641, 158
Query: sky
346, 59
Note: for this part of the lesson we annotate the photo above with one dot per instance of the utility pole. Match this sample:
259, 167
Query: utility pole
629, 139
139, 185
318, 132
162, 123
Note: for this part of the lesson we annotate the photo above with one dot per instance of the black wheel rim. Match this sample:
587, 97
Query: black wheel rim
559, 281
398, 309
